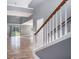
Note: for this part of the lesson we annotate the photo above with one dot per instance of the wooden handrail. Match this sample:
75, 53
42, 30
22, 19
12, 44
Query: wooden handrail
57, 8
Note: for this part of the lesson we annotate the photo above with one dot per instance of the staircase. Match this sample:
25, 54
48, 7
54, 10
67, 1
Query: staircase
53, 39
48, 38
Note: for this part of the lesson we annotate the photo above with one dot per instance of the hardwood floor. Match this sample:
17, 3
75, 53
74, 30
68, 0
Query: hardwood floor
24, 51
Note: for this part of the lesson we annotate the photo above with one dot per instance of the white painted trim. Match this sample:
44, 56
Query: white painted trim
18, 24
19, 6
35, 56
18, 13
68, 35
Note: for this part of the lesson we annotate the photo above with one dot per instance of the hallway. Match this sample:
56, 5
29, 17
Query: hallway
19, 41
35, 27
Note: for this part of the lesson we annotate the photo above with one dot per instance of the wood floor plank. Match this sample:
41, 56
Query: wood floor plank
22, 52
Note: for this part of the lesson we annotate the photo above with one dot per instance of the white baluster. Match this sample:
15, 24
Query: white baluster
42, 37
50, 31
60, 22
52, 27
36, 40
56, 26
47, 34
65, 18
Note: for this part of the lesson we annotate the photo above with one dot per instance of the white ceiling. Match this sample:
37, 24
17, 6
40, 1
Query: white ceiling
24, 3
19, 3
20, 8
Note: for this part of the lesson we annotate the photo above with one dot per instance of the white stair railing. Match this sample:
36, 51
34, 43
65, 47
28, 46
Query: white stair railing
54, 28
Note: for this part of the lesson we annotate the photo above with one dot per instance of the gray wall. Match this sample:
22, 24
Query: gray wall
61, 50
44, 9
